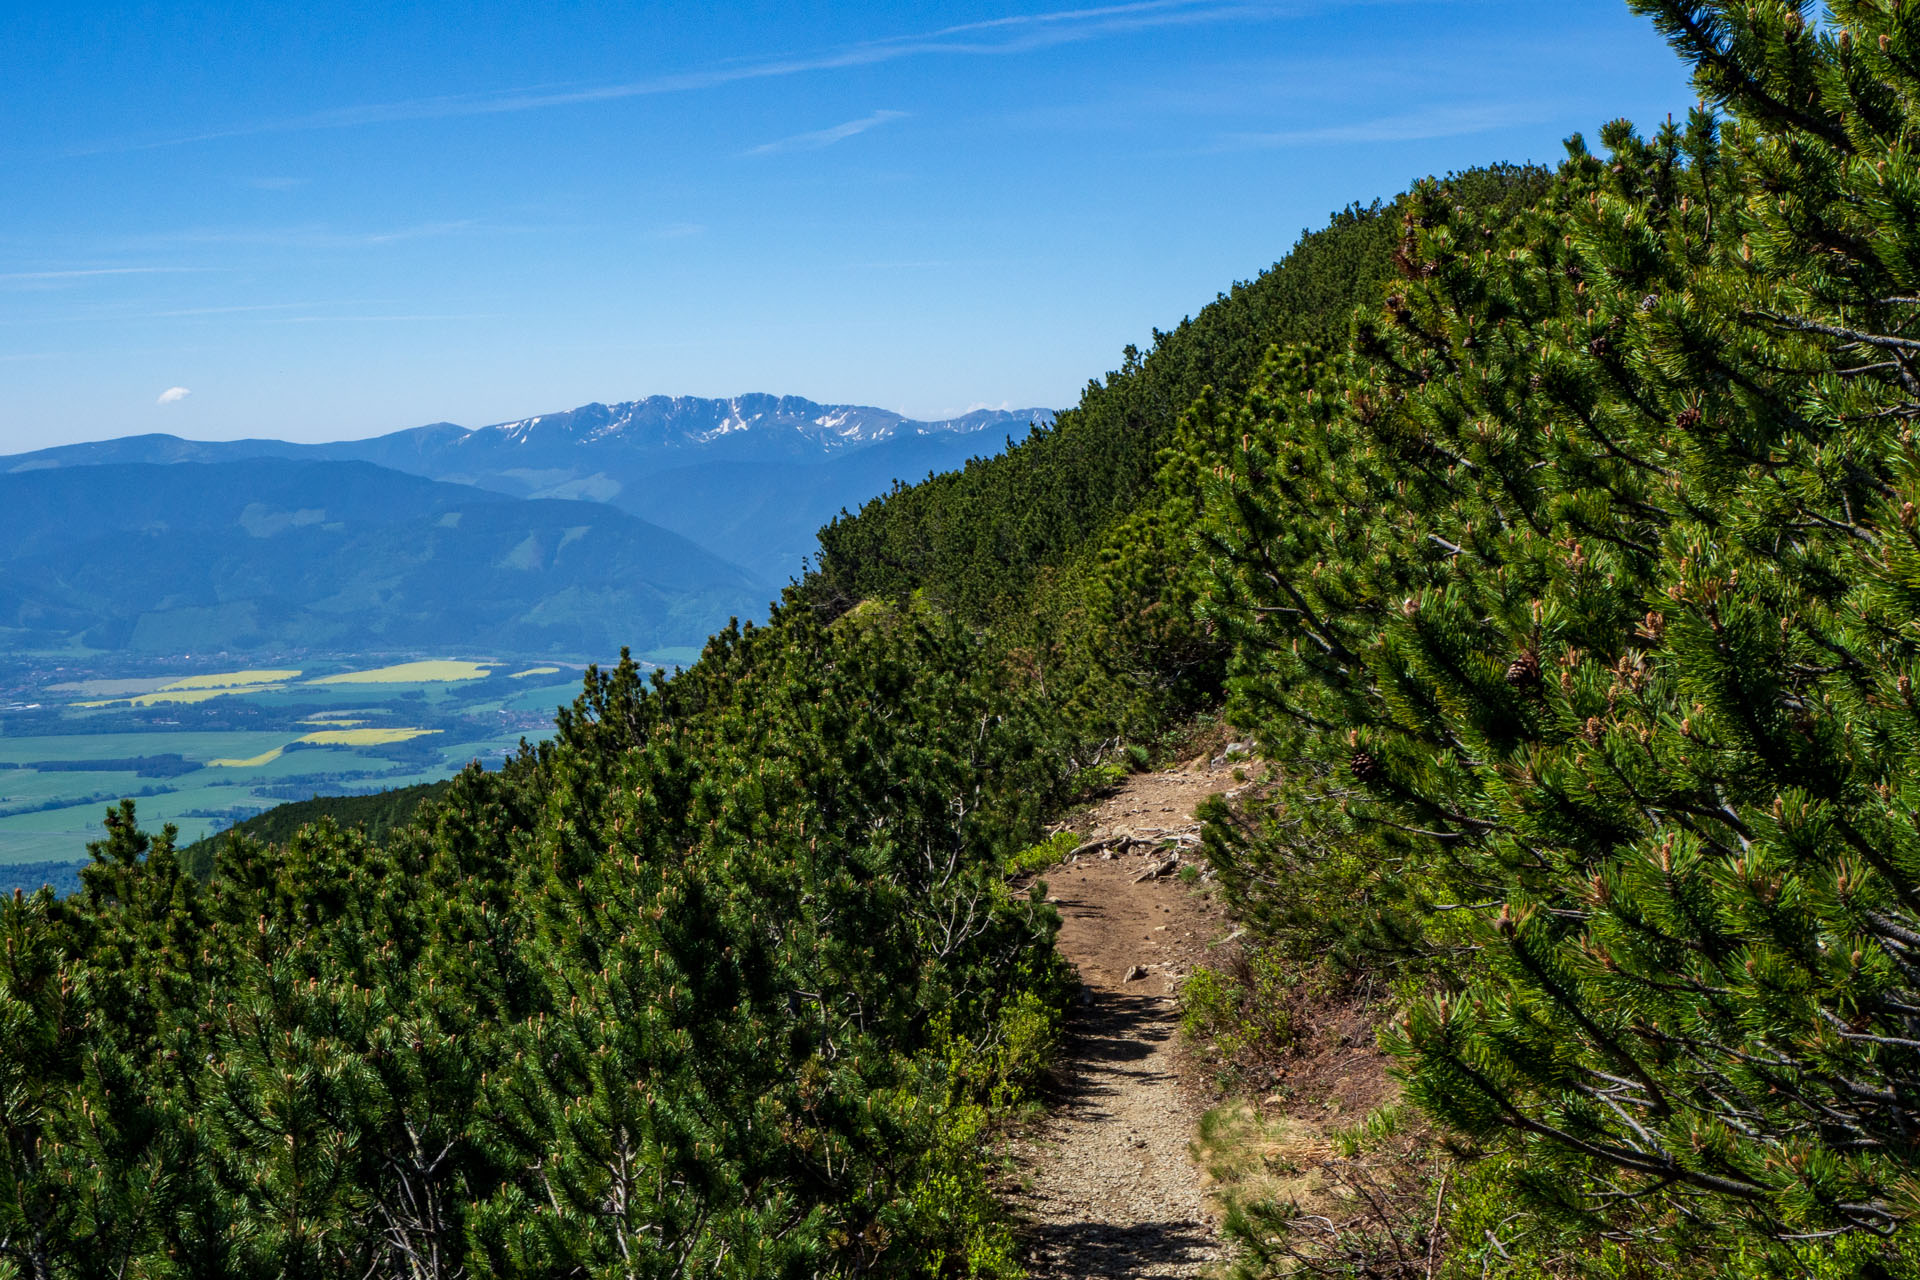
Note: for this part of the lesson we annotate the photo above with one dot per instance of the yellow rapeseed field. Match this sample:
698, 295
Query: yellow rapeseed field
170, 695
265, 757
363, 737
191, 689
232, 680
337, 735
411, 673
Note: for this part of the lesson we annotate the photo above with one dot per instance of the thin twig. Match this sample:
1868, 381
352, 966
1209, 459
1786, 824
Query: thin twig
1433, 1232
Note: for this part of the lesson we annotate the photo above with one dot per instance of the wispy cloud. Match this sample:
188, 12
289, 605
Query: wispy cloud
908, 264
303, 237
822, 138
87, 273
225, 311
173, 395
1017, 34
359, 319
1411, 126
129, 313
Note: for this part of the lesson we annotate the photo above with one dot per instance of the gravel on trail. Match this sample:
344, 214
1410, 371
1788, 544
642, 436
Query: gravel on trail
1108, 1186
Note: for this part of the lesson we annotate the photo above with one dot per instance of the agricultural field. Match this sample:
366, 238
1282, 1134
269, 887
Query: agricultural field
437, 672
203, 745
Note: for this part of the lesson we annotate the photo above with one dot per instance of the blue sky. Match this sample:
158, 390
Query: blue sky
333, 220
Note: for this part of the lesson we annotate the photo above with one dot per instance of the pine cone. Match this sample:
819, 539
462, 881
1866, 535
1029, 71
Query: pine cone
1364, 767
1525, 670
1406, 259
1689, 419
1599, 345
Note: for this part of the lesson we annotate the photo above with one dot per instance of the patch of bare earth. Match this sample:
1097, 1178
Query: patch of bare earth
1108, 1185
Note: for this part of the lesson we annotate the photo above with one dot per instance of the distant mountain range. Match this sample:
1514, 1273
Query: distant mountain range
269, 553
646, 523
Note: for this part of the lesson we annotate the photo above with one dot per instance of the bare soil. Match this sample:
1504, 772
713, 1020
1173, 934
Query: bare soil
1109, 1187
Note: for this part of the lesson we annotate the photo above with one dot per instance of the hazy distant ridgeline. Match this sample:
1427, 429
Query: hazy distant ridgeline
750, 479
271, 553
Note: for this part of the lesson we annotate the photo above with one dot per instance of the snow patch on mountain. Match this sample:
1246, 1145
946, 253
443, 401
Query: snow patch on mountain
671, 423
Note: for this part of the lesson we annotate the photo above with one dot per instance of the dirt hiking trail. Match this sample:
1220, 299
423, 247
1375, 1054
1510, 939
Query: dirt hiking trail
1109, 1188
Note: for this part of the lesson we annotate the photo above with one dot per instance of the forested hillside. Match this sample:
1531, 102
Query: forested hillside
717, 982
372, 815
973, 537
1553, 534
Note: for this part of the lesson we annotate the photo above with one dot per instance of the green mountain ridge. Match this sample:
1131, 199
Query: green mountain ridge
375, 816
283, 555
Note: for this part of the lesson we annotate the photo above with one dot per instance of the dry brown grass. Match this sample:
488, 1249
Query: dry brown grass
1301, 1198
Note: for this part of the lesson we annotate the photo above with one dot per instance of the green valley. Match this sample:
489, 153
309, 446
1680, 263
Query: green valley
205, 749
